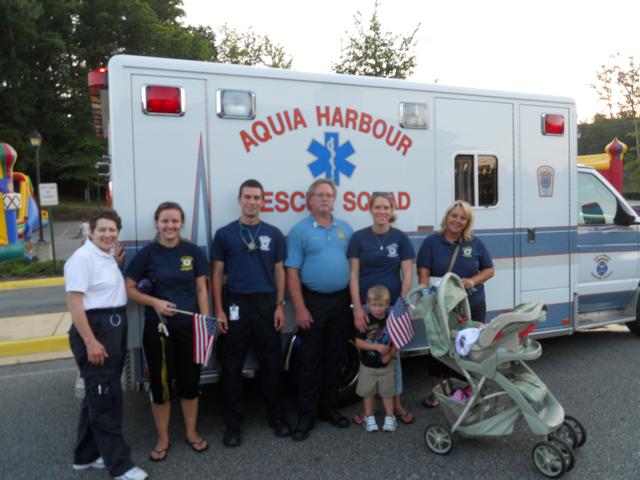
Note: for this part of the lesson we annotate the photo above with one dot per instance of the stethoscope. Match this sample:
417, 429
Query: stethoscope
251, 244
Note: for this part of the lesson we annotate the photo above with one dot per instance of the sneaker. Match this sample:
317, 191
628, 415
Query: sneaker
390, 424
134, 473
370, 424
97, 463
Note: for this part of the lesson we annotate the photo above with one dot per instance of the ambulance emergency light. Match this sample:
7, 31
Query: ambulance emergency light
239, 104
414, 115
163, 100
552, 124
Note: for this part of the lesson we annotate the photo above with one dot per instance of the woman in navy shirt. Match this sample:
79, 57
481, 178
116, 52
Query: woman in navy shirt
473, 265
380, 255
177, 271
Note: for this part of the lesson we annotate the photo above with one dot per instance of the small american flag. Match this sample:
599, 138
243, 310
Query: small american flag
399, 324
204, 332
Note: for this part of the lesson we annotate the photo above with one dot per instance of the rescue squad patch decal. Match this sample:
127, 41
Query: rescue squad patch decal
186, 263
545, 181
602, 267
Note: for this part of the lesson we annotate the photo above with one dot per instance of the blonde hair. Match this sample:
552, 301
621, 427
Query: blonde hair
378, 293
467, 234
320, 181
389, 198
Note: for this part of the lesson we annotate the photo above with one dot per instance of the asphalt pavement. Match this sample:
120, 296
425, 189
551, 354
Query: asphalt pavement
594, 375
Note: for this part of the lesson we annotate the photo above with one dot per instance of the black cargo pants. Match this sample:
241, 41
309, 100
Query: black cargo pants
100, 424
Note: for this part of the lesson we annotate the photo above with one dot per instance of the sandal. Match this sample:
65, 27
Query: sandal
430, 402
358, 419
162, 454
197, 446
407, 417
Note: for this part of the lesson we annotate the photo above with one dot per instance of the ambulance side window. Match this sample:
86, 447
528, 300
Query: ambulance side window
596, 204
476, 179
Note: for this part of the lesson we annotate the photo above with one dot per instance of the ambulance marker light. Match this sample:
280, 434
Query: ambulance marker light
552, 124
414, 115
163, 100
238, 104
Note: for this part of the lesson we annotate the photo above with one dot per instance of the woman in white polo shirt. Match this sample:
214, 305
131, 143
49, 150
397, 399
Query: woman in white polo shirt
96, 298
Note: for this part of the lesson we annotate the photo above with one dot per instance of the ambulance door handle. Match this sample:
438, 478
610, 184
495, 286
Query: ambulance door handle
531, 235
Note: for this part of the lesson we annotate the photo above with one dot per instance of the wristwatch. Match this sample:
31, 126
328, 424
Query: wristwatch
281, 302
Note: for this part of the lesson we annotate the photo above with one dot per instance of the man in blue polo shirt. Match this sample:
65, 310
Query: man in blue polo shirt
318, 277
250, 253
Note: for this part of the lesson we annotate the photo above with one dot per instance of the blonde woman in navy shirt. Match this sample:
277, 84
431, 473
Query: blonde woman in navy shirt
473, 264
177, 271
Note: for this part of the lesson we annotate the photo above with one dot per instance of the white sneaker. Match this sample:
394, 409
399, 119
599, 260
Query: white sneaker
390, 424
134, 473
370, 424
97, 463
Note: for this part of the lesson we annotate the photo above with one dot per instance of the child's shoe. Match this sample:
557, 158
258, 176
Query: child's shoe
390, 424
370, 424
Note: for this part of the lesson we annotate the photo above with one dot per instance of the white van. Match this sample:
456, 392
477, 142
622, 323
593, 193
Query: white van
192, 131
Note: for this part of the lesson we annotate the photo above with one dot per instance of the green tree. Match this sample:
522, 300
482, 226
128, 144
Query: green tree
249, 48
619, 83
374, 52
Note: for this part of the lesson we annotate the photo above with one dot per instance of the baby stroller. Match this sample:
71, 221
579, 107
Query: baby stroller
499, 388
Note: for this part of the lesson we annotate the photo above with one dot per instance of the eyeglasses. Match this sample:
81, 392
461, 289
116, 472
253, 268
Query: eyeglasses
323, 195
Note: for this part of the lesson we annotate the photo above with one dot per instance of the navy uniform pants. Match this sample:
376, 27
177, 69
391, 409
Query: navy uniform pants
254, 328
321, 352
100, 424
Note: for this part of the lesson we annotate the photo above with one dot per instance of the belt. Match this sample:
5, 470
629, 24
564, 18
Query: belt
252, 296
308, 291
108, 310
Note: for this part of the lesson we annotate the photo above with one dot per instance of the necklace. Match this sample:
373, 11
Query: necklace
377, 237
251, 244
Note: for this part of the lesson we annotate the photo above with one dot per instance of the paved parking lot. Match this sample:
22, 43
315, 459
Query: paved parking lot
595, 376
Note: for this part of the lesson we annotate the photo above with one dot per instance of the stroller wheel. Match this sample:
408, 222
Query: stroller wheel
438, 439
566, 433
566, 451
548, 460
578, 429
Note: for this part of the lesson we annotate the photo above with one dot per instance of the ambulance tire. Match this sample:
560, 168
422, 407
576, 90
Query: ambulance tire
634, 326
349, 377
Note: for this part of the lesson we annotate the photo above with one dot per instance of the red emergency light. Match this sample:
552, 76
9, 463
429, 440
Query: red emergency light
97, 80
552, 124
162, 100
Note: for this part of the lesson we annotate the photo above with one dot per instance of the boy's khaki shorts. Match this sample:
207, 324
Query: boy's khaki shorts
372, 381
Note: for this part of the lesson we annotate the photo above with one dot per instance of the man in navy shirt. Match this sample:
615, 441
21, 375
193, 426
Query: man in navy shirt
318, 277
250, 253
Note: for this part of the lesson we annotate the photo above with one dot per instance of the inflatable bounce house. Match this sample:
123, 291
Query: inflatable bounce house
19, 213
609, 163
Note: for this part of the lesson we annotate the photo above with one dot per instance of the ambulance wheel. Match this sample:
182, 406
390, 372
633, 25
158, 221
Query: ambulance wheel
634, 326
349, 377
438, 439
578, 429
548, 460
566, 433
566, 451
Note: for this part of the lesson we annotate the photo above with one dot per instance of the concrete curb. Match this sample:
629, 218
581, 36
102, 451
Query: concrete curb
32, 283
34, 345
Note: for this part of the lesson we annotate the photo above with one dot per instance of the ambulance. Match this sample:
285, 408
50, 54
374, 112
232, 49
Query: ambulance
192, 132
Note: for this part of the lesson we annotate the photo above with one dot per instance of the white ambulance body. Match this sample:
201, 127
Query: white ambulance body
192, 132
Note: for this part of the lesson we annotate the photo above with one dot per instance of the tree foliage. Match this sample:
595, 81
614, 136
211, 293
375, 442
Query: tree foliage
47, 47
619, 88
372, 51
249, 48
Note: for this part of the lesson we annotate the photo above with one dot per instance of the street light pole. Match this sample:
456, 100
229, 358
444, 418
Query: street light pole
36, 140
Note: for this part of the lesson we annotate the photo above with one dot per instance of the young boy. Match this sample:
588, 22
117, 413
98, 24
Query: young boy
376, 362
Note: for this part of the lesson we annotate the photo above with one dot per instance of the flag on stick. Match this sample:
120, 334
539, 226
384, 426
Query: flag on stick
204, 332
399, 324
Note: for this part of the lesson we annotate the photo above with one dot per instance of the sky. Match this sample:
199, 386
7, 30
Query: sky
550, 47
